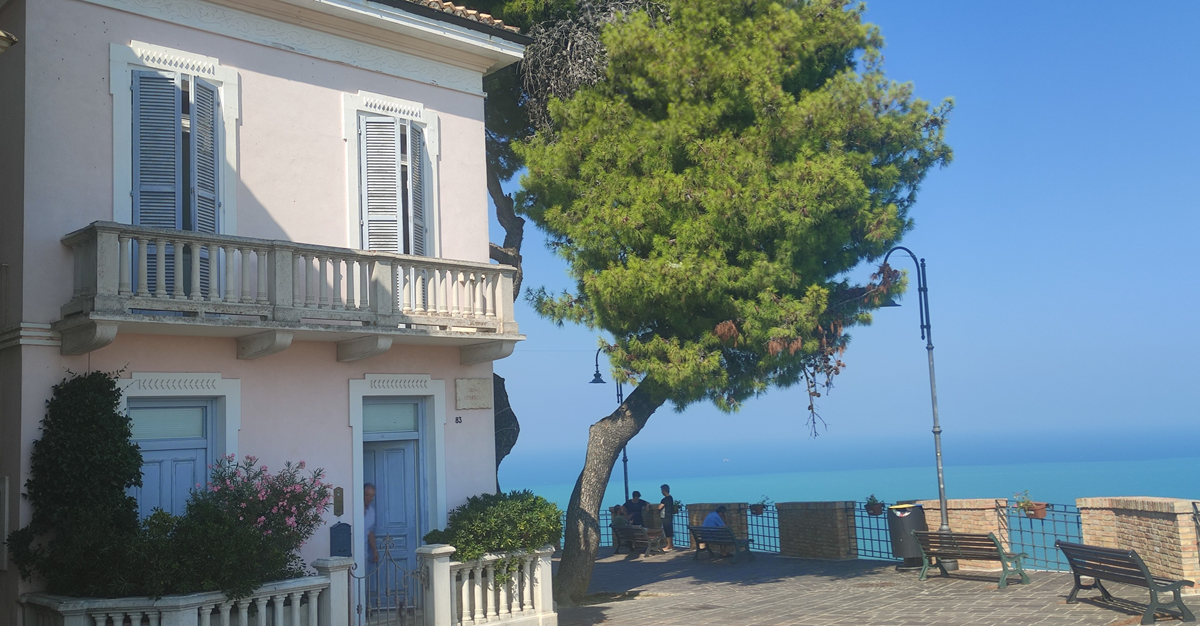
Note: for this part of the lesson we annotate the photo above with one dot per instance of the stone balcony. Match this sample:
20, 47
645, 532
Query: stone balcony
267, 293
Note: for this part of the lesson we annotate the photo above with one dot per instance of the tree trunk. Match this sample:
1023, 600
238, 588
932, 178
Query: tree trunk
582, 533
507, 426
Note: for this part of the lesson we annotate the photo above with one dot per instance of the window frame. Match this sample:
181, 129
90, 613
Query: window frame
123, 60
370, 104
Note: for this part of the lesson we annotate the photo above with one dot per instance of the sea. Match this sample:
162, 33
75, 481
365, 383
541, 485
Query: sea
1054, 482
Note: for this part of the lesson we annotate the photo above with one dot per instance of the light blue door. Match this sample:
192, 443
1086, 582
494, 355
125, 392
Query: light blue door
175, 437
391, 466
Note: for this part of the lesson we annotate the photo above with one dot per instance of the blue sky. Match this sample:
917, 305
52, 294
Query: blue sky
1061, 246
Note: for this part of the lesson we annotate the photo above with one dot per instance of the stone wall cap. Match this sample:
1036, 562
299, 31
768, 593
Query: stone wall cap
802, 506
959, 503
1149, 504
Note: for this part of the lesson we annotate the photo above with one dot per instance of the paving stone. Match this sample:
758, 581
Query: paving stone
674, 590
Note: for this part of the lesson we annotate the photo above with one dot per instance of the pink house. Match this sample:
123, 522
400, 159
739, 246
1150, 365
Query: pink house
271, 216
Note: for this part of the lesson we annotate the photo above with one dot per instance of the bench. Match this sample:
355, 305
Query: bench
637, 538
968, 547
720, 536
1120, 566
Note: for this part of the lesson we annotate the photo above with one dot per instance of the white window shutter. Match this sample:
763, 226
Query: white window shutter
380, 182
157, 160
416, 189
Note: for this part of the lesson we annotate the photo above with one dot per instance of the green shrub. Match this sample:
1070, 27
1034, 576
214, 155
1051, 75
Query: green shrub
243, 529
500, 522
80, 470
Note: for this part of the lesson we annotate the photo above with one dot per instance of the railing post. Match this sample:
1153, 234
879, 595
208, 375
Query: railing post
383, 288
543, 587
435, 560
281, 267
334, 609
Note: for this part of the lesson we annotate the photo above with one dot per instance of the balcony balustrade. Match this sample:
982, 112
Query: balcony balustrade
266, 292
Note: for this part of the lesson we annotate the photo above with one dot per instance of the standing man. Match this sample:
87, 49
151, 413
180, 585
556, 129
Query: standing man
634, 508
667, 506
369, 517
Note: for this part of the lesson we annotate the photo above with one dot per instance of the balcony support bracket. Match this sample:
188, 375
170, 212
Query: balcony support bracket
86, 336
362, 348
263, 344
484, 352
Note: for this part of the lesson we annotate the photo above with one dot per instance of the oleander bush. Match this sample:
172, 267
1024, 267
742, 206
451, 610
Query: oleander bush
244, 528
500, 522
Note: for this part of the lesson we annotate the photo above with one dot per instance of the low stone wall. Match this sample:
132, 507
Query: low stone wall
1160, 529
970, 515
735, 517
817, 530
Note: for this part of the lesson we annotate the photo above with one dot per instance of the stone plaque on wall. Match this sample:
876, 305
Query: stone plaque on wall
473, 393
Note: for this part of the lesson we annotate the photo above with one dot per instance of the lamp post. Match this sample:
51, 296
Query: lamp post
927, 335
597, 379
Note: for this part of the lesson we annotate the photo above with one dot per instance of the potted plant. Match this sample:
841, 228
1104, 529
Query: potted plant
874, 505
758, 507
1034, 510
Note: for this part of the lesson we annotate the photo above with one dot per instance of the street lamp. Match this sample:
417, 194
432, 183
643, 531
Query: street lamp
927, 335
597, 379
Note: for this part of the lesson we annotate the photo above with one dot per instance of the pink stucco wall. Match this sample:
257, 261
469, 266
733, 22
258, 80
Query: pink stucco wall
291, 163
291, 184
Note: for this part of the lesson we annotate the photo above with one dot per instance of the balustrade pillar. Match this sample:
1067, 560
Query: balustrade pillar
337, 282
125, 252
160, 268
231, 294
177, 259
334, 602
322, 282
383, 288
195, 290
264, 264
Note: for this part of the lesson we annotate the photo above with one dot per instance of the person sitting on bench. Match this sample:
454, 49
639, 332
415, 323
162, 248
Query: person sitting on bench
634, 508
716, 519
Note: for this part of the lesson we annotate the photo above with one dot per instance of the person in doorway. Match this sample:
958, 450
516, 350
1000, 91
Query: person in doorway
667, 507
369, 517
633, 507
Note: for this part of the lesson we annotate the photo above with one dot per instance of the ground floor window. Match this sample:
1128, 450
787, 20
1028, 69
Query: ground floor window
176, 437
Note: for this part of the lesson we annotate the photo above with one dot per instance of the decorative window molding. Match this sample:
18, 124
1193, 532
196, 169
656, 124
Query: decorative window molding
363, 102
226, 391
316, 43
431, 449
123, 60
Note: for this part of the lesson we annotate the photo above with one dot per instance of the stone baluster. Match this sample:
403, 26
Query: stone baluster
454, 293
443, 297
225, 606
177, 255
506, 595
295, 598
310, 294
311, 596
322, 282
297, 278
491, 591
431, 292
477, 593
337, 283
404, 272
160, 268
195, 290
123, 250
478, 293
277, 605
214, 272
489, 292
143, 286
246, 298
243, 609
419, 286
263, 254
364, 277
464, 615
231, 287
526, 566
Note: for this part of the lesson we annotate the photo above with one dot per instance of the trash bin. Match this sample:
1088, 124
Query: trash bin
902, 520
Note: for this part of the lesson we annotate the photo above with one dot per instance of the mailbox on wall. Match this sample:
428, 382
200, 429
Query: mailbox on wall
340, 540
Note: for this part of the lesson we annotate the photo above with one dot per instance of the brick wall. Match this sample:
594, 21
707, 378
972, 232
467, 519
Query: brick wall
817, 530
1160, 529
735, 517
970, 515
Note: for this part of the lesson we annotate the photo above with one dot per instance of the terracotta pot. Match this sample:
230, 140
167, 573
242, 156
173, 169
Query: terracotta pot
875, 509
1036, 510
756, 509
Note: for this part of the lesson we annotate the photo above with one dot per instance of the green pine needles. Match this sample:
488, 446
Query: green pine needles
712, 193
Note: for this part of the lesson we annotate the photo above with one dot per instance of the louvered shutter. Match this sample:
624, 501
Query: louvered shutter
380, 182
416, 189
205, 163
157, 160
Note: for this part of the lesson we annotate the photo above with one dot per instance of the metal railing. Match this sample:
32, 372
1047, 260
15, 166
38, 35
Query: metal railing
763, 528
873, 535
1036, 537
681, 539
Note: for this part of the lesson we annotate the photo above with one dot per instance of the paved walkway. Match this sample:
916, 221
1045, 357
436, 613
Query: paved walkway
674, 590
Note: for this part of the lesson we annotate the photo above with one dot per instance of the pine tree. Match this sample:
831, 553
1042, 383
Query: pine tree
709, 197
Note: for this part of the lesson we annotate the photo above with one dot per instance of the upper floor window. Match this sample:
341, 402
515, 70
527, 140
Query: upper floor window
392, 154
174, 116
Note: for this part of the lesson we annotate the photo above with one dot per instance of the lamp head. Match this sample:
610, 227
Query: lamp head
888, 302
597, 379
